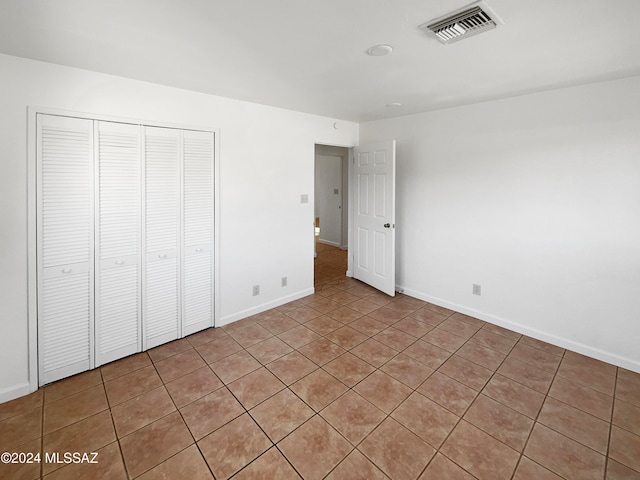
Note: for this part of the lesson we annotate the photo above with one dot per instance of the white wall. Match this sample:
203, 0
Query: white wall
535, 198
266, 163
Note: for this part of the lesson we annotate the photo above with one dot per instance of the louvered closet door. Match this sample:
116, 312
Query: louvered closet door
161, 307
65, 242
198, 230
117, 241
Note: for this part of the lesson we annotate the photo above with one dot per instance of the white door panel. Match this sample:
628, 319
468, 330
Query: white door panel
380, 250
161, 301
161, 296
117, 313
363, 249
118, 242
374, 215
65, 246
197, 305
124, 231
363, 194
198, 291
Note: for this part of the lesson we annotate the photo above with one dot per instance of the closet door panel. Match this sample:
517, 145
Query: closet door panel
161, 307
65, 242
124, 240
117, 241
119, 326
198, 185
198, 287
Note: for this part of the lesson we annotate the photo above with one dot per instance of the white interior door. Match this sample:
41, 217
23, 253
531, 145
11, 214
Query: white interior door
197, 212
374, 259
161, 286
117, 302
124, 239
65, 246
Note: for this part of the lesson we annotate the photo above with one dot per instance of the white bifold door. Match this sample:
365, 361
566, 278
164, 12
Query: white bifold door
118, 245
65, 253
161, 297
124, 240
198, 231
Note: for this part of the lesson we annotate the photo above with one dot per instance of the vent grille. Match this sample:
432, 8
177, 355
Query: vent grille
462, 24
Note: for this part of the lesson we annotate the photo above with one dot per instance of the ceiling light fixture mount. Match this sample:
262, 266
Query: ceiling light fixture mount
394, 105
379, 50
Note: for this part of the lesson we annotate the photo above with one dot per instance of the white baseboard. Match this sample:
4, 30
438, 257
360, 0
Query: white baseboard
328, 242
562, 342
16, 391
264, 307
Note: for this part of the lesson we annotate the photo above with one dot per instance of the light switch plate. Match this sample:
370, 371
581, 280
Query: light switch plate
304, 198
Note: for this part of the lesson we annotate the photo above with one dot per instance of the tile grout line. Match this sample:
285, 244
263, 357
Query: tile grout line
470, 404
287, 387
613, 409
605, 455
413, 390
42, 452
343, 288
337, 398
195, 442
535, 422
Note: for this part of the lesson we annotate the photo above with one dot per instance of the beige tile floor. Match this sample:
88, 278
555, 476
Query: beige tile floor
344, 384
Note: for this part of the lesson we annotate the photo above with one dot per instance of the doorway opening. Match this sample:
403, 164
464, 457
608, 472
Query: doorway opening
368, 183
331, 197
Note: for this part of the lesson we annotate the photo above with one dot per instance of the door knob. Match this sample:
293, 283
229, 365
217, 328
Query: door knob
387, 225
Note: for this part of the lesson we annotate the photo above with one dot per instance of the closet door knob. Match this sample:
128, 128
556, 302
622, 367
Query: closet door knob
66, 270
162, 255
198, 250
119, 262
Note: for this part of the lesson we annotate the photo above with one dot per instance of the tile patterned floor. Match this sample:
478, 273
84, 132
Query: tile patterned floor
344, 384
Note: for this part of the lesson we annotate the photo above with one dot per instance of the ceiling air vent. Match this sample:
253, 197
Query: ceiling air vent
471, 20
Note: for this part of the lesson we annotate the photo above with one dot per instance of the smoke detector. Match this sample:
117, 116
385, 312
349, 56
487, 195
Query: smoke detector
465, 22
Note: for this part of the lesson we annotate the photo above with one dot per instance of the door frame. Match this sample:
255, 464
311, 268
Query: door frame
349, 182
344, 188
32, 191
350, 198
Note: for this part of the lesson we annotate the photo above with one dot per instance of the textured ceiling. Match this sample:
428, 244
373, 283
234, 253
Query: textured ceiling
310, 55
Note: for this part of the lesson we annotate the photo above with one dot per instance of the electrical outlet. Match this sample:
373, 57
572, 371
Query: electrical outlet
477, 289
283, 282
256, 290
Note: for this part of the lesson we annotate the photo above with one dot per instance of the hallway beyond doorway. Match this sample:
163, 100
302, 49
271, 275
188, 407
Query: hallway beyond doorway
330, 266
